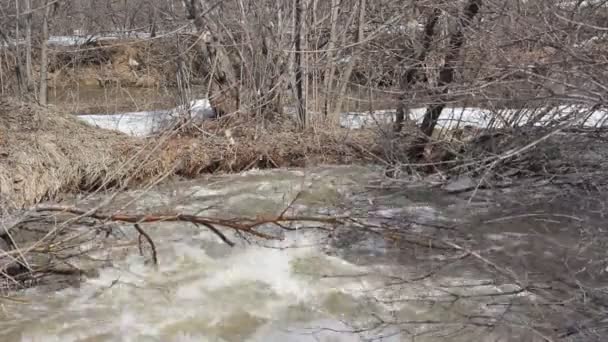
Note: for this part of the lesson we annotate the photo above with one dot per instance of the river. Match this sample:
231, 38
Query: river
349, 284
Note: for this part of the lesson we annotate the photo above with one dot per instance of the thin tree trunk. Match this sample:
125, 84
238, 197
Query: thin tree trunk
314, 58
224, 95
42, 99
153, 16
299, 67
412, 75
19, 66
446, 75
351, 63
283, 65
28, 43
328, 79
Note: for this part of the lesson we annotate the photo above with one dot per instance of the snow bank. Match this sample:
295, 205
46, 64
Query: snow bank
69, 40
79, 37
146, 123
478, 117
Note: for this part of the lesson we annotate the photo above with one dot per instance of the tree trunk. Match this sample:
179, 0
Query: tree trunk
224, 94
42, 96
19, 64
330, 71
299, 67
28, 44
153, 16
446, 75
351, 63
412, 75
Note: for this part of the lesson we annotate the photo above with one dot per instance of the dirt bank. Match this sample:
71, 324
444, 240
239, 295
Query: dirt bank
126, 63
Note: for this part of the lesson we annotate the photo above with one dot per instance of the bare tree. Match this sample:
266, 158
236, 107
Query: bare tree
251, 52
225, 92
19, 67
446, 74
28, 43
44, 62
412, 75
346, 76
330, 70
300, 12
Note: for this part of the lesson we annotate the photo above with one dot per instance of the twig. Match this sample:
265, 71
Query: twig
218, 233
147, 237
512, 217
293, 201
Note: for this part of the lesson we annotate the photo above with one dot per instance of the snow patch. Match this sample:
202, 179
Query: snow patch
149, 122
478, 117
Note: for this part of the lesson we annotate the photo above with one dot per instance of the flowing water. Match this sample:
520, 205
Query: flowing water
312, 286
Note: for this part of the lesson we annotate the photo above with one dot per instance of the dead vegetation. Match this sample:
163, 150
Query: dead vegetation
125, 63
46, 153
574, 157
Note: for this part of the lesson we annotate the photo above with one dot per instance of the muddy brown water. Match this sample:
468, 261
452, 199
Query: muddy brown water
94, 99
91, 99
387, 275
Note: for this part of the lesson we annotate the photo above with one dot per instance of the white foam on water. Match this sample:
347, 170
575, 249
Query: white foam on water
205, 291
133, 300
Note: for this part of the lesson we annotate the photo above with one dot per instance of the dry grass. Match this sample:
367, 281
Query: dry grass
45, 153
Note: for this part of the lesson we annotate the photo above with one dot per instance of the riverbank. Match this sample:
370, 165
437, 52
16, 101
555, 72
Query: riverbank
46, 153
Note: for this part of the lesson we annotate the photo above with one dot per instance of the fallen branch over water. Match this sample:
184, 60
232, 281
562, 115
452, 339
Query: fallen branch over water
150, 241
243, 225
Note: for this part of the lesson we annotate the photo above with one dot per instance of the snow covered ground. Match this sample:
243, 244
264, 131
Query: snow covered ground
69, 40
75, 40
146, 123
81, 38
478, 117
